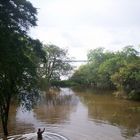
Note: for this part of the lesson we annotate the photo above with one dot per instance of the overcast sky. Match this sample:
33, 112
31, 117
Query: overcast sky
80, 25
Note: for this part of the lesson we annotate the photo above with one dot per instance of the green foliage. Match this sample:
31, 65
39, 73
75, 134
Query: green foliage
17, 15
56, 64
128, 79
19, 54
96, 55
120, 70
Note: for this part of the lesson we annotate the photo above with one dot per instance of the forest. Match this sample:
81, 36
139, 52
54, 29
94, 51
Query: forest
119, 71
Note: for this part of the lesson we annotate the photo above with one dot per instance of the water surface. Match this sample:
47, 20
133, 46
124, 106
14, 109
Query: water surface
79, 115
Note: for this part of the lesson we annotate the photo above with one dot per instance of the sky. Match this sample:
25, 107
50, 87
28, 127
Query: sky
81, 25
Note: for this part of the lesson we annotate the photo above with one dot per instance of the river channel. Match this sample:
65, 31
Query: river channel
79, 115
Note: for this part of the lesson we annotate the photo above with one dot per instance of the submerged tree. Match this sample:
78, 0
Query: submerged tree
19, 54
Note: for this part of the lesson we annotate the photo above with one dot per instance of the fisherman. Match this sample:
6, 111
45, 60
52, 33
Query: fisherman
39, 133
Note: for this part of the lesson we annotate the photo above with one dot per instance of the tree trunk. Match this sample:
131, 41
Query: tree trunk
4, 125
4, 117
5, 130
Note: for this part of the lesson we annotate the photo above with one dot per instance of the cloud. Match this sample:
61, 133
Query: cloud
80, 25
95, 12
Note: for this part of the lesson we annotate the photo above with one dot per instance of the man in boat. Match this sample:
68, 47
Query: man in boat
39, 133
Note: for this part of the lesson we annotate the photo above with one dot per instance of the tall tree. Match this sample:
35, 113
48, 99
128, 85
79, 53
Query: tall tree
19, 54
57, 63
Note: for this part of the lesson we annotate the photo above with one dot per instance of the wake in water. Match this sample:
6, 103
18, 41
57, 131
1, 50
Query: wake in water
33, 136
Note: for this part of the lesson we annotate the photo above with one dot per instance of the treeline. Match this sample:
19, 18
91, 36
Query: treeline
111, 70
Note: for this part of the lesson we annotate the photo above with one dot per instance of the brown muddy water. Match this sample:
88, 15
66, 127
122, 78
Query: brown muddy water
78, 115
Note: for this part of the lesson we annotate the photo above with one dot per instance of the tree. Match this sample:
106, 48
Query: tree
127, 80
18, 75
19, 54
88, 74
109, 67
97, 59
80, 76
17, 16
56, 63
109, 70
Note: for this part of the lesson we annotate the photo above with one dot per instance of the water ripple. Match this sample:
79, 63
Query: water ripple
33, 136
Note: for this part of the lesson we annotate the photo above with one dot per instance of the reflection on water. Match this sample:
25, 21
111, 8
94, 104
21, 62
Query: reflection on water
79, 115
56, 108
109, 110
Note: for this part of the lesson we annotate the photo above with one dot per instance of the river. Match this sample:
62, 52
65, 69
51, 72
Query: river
79, 115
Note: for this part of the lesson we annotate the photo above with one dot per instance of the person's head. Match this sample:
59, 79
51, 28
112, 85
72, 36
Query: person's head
39, 129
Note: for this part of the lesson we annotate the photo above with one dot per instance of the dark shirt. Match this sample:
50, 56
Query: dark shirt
39, 134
